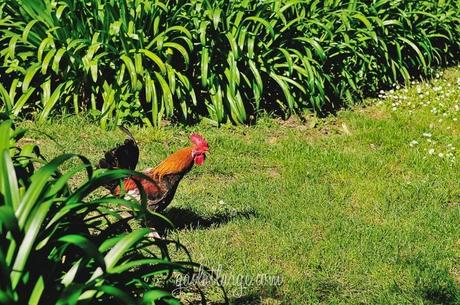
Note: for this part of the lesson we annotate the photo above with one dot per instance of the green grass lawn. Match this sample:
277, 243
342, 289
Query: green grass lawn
361, 208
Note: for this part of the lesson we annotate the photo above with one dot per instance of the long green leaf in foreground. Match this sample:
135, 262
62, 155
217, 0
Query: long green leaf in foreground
71, 245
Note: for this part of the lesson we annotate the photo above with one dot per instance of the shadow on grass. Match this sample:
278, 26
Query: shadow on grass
447, 293
251, 299
262, 296
188, 219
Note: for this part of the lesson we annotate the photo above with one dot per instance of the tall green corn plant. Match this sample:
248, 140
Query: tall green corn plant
296, 63
219, 71
238, 66
297, 54
66, 245
147, 61
68, 50
384, 43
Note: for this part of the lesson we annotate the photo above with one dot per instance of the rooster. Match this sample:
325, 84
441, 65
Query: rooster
165, 176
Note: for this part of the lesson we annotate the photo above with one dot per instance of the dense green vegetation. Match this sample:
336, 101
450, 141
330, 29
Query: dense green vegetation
361, 208
144, 61
65, 245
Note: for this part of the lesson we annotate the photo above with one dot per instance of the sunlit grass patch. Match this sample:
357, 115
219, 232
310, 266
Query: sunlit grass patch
345, 215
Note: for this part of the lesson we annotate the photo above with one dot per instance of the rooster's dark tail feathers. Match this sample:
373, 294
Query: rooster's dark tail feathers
124, 156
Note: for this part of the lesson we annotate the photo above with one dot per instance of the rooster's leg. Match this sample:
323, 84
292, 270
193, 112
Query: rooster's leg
154, 234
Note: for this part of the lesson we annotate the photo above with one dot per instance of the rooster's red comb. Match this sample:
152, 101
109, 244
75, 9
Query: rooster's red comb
199, 141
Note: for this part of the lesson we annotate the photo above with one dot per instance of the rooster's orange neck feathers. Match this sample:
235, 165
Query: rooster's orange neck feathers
179, 162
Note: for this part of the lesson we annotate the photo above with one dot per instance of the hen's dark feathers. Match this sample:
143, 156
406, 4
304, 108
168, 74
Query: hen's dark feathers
123, 156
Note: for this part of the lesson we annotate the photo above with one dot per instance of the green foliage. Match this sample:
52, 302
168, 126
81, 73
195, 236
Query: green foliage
145, 61
69, 246
347, 212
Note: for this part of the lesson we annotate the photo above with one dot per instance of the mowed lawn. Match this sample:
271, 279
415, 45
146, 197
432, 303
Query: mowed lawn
360, 208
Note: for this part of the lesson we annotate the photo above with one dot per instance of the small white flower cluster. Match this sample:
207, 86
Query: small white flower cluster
425, 95
438, 99
434, 148
447, 152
